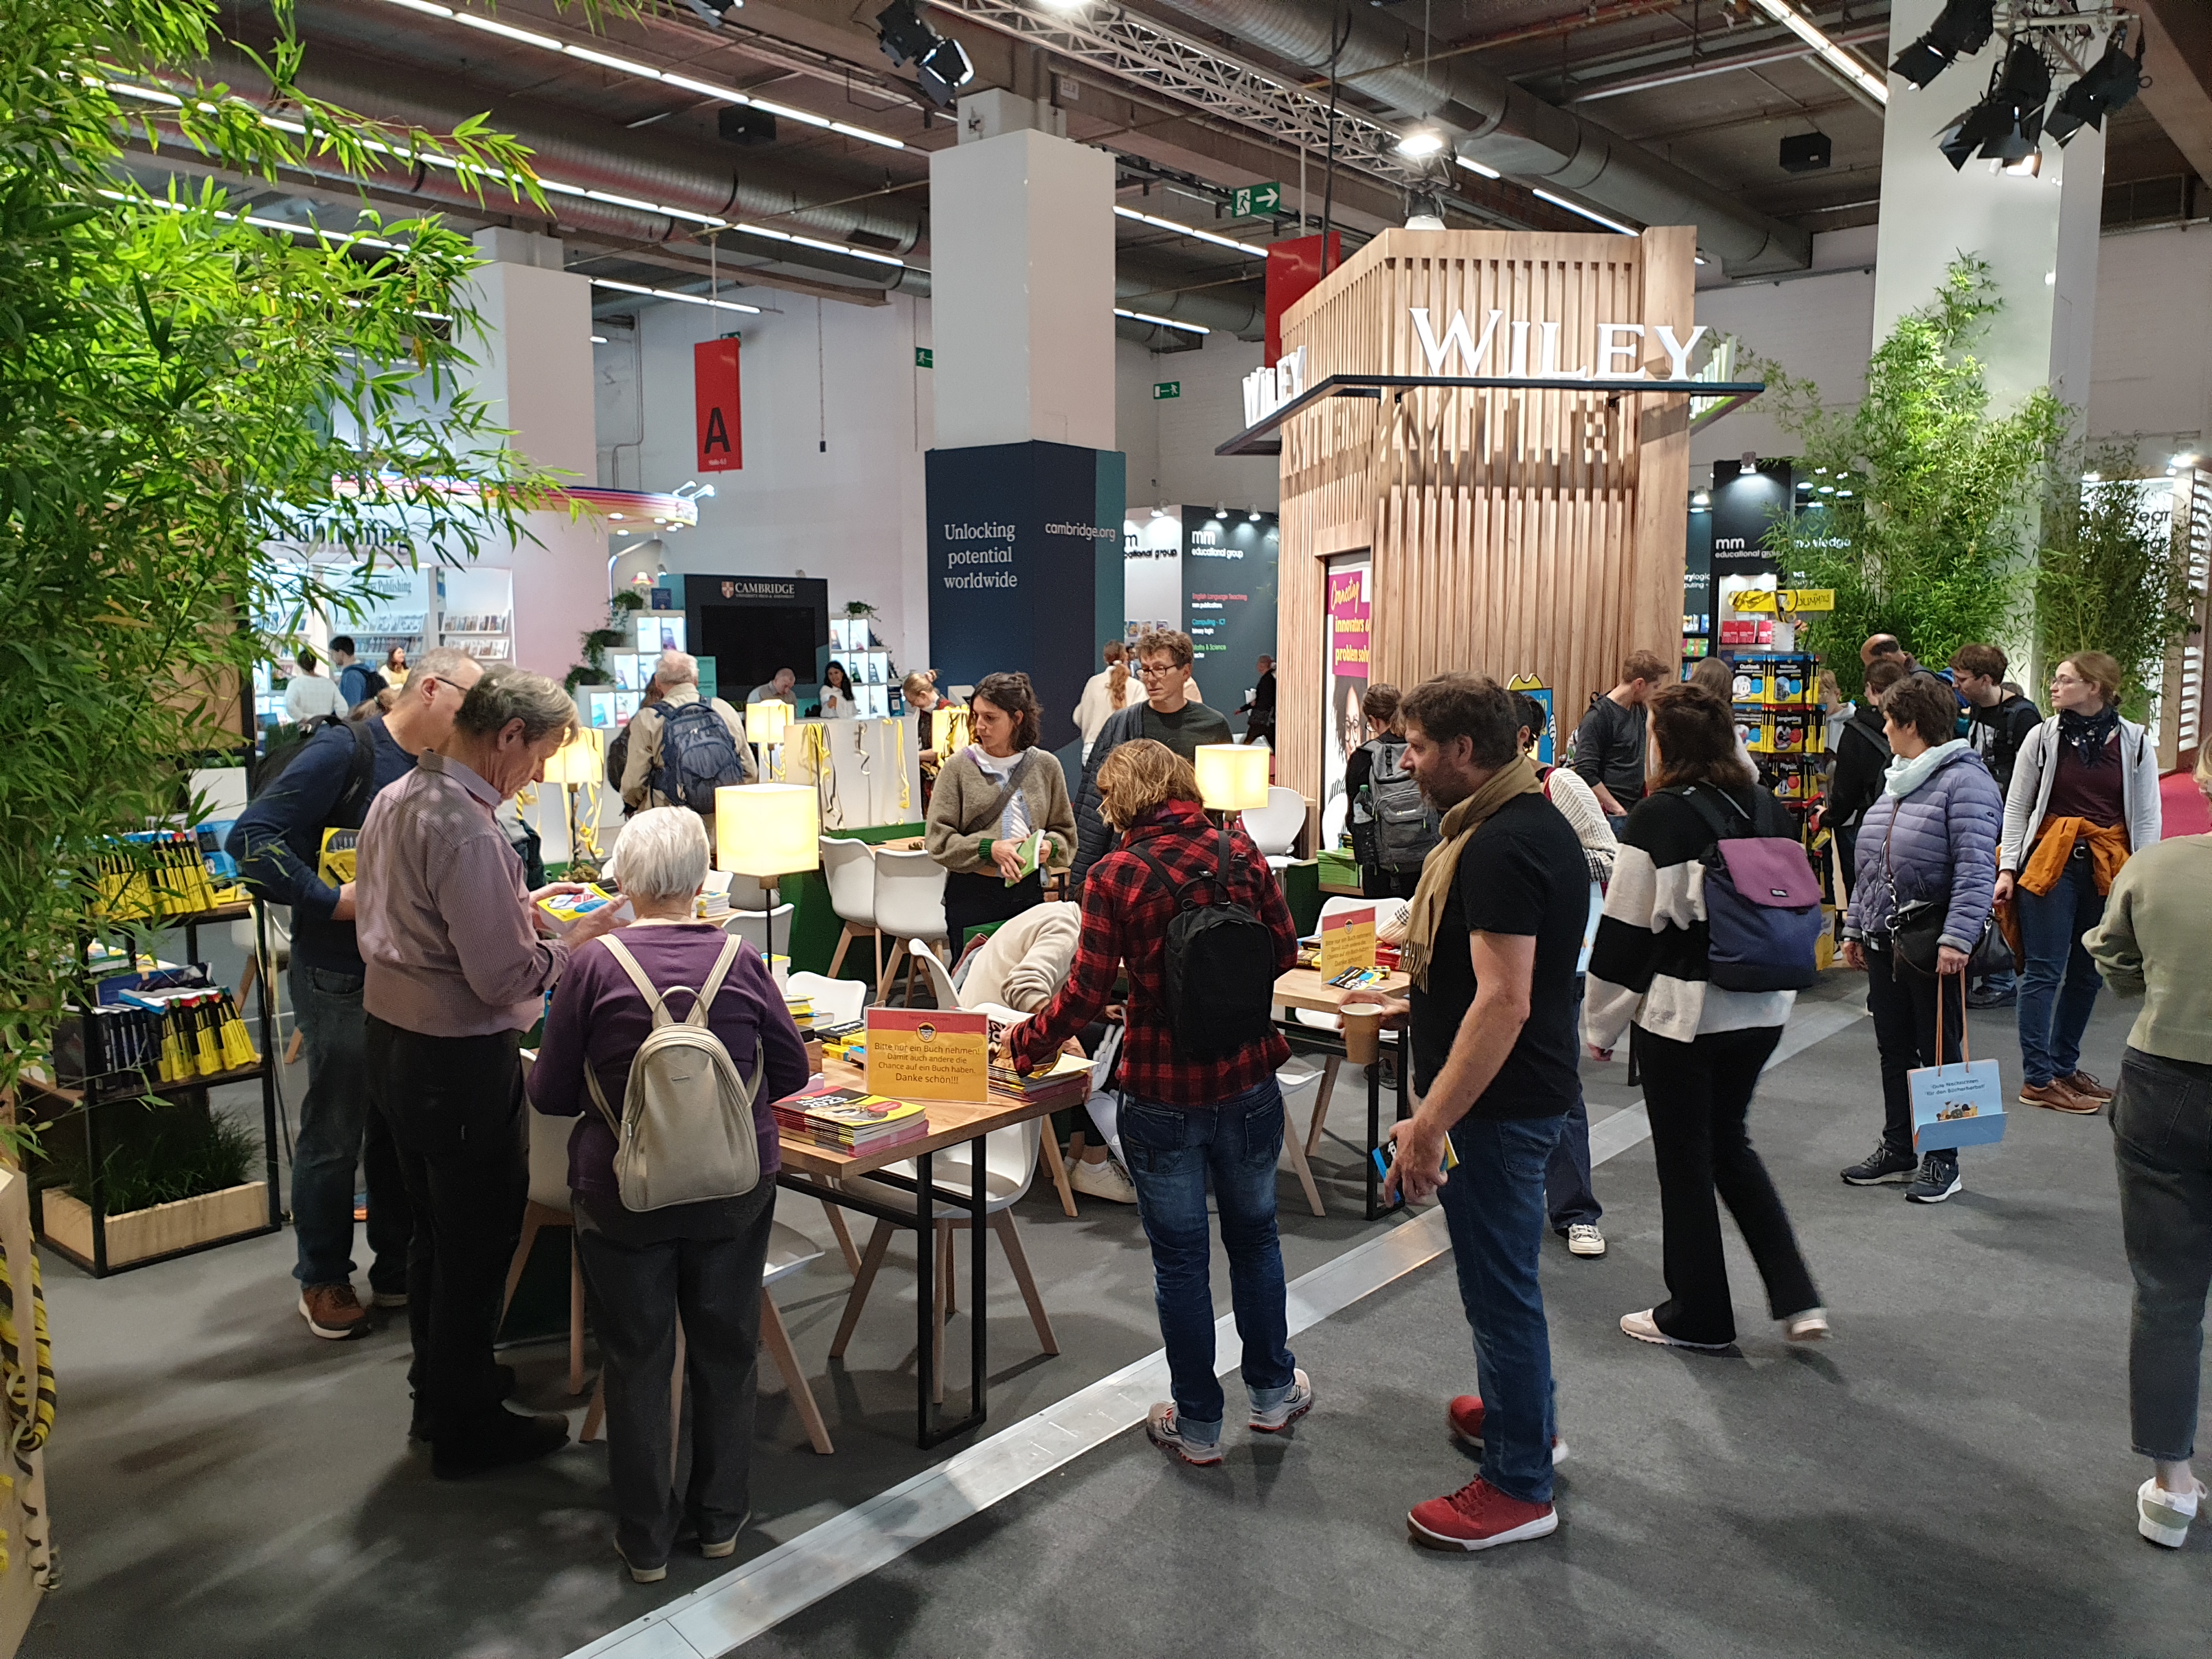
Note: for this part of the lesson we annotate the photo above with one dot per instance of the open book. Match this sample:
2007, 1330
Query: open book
1032, 854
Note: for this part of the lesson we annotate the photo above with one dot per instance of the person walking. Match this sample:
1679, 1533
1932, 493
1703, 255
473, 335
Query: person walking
2150, 944
1187, 1119
1928, 845
1569, 1199
1105, 694
1259, 705
1998, 722
277, 841
1375, 766
1609, 742
682, 747
309, 696
701, 1261
357, 681
456, 969
1493, 936
1701, 1047
990, 798
1171, 714
2084, 796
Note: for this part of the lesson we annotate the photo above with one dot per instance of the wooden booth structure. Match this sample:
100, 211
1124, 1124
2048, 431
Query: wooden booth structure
1489, 430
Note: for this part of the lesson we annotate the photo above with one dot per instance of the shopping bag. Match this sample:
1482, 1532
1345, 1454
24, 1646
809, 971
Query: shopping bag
1960, 1105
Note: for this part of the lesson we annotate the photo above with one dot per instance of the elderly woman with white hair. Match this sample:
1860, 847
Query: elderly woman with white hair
678, 752
704, 1260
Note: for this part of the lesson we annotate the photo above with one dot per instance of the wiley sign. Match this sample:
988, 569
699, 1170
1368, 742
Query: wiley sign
1618, 348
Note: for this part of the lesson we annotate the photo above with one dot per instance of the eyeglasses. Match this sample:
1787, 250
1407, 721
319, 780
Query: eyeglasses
1150, 669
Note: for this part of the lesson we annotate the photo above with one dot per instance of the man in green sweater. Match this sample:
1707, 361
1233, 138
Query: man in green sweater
1168, 715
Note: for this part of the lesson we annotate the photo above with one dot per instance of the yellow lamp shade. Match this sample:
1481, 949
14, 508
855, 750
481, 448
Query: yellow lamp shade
767, 829
580, 760
1231, 776
764, 721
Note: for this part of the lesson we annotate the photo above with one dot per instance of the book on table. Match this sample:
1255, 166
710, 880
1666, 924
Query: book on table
852, 1120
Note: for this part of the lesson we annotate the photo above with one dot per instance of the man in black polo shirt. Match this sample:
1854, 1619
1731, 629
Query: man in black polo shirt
1494, 935
1609, 742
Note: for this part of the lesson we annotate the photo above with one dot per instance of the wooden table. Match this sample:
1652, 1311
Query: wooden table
818, 1172
1304, 988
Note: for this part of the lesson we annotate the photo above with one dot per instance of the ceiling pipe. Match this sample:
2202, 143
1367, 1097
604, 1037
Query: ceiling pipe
1506, 127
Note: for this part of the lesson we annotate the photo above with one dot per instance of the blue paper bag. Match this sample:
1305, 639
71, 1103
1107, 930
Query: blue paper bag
1960, 1105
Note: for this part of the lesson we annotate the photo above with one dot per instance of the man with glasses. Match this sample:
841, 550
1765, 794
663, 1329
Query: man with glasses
278, 842
1169, 714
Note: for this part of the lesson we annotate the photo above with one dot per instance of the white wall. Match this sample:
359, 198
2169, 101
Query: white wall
1170, 441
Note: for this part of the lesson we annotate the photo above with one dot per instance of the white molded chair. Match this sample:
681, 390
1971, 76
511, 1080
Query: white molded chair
550, 1206
910, 906
849, 867
1010, 1163
758, 926
1275, 827
940, 980
836, 1001
947, 996
1384, 907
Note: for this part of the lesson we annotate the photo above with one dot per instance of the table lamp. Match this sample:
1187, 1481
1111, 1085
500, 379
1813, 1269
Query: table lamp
577, 763
766, 831
1232, 777
949, 730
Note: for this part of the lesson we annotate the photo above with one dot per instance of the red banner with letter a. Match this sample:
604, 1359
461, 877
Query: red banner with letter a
714, 387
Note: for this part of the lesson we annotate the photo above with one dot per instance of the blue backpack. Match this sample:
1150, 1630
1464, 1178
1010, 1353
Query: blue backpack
697, 755
1763, 916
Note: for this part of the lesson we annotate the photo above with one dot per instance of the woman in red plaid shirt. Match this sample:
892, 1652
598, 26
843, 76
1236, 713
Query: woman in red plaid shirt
1184, 1120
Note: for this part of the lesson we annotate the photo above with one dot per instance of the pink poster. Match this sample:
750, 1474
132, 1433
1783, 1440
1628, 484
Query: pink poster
1347, 624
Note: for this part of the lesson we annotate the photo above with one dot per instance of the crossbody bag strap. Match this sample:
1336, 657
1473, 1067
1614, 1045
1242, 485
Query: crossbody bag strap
998, 811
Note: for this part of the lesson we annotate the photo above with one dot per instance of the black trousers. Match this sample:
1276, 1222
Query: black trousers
454, 1105
1698, 1095
977, 898
643, 1272
1903, 1004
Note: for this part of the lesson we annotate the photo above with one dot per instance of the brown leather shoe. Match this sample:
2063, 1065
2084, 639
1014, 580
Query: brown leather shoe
2086, 1087
333, 1312
2058, 1097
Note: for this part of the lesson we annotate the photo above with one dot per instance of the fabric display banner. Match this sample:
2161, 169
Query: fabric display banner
1229, 599
1345, 654
929, 1054
1025, 568
715, 393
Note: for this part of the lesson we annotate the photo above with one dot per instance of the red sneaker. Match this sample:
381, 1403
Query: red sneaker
1465, 1416
1479, 1516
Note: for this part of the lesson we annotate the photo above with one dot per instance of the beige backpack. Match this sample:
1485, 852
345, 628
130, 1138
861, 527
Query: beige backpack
686, 1131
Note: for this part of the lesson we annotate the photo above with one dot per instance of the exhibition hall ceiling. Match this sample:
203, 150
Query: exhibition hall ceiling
787, 120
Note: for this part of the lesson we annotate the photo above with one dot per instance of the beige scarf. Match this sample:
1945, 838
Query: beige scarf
1438, 870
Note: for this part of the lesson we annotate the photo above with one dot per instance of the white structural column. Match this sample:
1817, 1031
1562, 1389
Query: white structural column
533, 366
2038, 235
1021, 241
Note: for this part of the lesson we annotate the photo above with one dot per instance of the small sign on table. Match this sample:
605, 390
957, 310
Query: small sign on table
928, 1054
1347, 941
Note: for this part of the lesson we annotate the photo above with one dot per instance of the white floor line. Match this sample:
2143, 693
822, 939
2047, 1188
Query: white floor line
723, 1614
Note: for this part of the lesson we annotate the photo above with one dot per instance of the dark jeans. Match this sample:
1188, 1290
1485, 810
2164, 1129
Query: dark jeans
1493, 1206
454, 1105
1698, 1095
976, 899
641, 1281
1172, 1151
1903, 1004
337, 1130
2058, 982
1567, 1192
2162, 1140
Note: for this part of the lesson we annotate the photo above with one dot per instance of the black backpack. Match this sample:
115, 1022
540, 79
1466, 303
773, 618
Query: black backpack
1220, 967
352, 803
1403, 834
697, 755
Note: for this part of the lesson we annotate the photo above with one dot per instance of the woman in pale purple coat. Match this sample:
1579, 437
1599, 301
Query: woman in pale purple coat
1931, 837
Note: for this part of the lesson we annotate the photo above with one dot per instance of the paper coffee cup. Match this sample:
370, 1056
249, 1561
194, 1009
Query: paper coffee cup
1362, 1030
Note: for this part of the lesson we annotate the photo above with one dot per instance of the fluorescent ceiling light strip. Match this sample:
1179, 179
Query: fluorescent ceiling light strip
671, 294
1805, 30
1473, 166
1179, 229
1577, 206
645, 71
1161, 322
262, 222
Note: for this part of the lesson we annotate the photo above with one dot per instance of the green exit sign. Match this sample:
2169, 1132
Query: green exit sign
1166, 389
1248, 201
924, 357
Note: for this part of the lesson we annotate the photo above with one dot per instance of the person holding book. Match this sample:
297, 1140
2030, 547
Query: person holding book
703, 1260
999, 813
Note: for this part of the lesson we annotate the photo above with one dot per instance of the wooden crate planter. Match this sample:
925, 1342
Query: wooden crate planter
138, 1234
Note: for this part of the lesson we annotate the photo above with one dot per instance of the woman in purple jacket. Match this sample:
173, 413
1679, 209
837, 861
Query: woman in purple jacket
1929, 837
704, 1260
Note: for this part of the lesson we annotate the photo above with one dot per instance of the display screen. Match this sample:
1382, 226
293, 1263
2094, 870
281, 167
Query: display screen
749, 643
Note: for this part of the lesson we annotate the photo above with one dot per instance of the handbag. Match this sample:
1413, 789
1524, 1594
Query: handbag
1953, 1106
1916, 930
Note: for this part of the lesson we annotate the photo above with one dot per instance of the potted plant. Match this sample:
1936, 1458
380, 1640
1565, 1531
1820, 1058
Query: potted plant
178, 1175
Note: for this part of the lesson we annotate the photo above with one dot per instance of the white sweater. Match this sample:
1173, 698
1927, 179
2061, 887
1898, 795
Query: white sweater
2035, 769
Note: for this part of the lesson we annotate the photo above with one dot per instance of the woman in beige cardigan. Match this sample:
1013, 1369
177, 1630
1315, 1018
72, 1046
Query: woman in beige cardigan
990, 798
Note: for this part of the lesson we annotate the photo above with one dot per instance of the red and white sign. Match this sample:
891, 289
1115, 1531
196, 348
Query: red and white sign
714, 387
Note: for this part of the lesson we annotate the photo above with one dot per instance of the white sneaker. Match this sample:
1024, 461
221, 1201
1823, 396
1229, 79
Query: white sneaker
1811, 1326
1287, 1410
2163, 1516
1107, 1180
1644, 1329
1583, 1239
1164, 1430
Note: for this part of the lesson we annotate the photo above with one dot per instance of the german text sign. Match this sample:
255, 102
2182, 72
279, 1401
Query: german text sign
1347, 941
929, 1054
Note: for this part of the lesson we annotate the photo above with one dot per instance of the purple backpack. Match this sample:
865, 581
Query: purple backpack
1763, 916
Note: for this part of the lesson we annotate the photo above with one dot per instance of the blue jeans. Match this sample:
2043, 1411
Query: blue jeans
2057, 980
338, 1130
1493, 1206
1567, 1192
1171, 1150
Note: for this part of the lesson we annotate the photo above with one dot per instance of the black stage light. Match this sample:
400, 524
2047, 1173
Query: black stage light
1963, 27
943, 70
1805, 152
713, 12
901, 33
940, 65
2005, 125
2109, 84
743, 125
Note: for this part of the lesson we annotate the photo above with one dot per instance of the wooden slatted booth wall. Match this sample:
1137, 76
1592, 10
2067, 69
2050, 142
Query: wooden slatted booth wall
1512, 531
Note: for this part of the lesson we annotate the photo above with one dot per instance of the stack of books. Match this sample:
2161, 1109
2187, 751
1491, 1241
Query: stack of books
1065, 1083
852, 1120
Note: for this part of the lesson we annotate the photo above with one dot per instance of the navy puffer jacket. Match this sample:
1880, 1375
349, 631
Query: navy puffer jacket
1944, 844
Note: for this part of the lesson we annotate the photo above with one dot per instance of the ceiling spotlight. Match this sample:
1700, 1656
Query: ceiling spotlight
1962, 27
713, 12
1747, 463
1804, 483
1827, 490
1420, 143
1425, 207
2187, 457
1221, 512
1840, 494
2110, 83
941, 65
2004, 126
1256, 518
1701, 499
